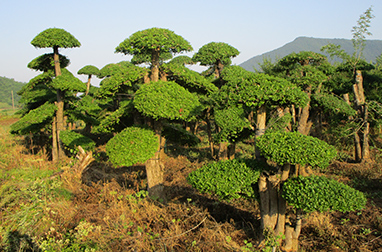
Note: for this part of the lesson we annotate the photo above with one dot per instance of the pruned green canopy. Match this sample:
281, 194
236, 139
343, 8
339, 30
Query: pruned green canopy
166, 100
89, 70
55, 37
45, 62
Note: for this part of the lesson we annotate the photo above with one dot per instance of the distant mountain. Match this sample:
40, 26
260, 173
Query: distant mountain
6, 87
372, 50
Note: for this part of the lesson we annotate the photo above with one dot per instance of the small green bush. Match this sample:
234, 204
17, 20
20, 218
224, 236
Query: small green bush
72, 140
318, 193
294, 148
132, 145
229, 179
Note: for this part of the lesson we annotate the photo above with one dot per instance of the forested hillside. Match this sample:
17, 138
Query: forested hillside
372, 50
6, 87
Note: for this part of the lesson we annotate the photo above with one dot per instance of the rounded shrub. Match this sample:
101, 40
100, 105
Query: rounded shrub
294, 148
318, 193
166, 99
228, 179
72, 140
132, 145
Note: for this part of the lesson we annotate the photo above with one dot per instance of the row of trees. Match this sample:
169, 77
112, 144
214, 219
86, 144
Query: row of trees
292, 99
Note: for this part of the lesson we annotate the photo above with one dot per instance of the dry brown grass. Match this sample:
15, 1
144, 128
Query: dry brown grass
109, 208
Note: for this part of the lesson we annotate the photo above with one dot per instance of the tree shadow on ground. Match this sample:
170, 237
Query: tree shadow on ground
243, 214
20, 242
127, 177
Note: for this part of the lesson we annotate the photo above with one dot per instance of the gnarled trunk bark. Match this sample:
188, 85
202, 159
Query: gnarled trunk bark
155, 168
303, 124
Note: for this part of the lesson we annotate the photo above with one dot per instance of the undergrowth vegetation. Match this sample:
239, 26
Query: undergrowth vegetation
53, 207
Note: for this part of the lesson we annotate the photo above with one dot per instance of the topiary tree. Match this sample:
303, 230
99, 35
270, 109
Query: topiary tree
257, 93
132, 145
89, 70
160, 101
216, 55
289, 150
40, 94
228, 179
151, 44
305, 70
56, 38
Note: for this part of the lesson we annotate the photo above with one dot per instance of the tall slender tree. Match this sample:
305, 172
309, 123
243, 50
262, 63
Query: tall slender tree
56, 38
153, 46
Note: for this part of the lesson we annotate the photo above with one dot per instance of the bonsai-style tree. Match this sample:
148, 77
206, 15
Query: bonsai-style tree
152, 44
303, 69
89, 70
159, 101
290, 149
257, 93
117, 89
216, 55
40, 95
56, 38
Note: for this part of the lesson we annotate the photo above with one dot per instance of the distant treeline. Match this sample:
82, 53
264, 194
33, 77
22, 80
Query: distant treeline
6, 87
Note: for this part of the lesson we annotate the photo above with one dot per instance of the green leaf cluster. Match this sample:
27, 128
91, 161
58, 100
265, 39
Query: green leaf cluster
256, 89
158, 39
34, 120
166, 100
228, 179
89, 70
188, 79
294, 148
72, 140
55, 37
132, 145
331, 103
45, 62
119, 77
67, 82
211, 53
182, 60
111, 120
319, 193
232, 121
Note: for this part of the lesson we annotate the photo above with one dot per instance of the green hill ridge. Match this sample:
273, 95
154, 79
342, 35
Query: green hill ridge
6, 87
372, 50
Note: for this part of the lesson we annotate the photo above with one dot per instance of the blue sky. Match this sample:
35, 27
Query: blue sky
253, 27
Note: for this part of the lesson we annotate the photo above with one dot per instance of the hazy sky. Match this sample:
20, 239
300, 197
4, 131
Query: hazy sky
253, 27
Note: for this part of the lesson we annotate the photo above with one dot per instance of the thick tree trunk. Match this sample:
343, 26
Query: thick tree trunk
54, 141
293, 232
155, 168
88, 84
155, 66
303, 124
60, 108
209, 132
223, 151
261, 116
60, 121
361, 137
